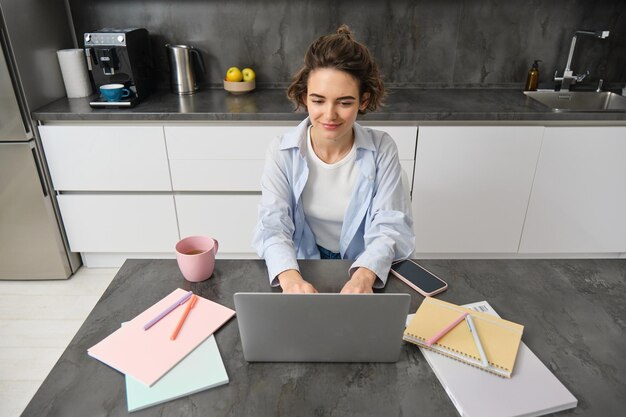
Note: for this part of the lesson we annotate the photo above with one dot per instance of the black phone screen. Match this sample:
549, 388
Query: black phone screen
418, 276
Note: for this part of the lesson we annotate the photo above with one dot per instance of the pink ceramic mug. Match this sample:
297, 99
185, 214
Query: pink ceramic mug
196, 257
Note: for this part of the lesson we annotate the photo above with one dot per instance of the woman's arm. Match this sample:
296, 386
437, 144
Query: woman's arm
273, 238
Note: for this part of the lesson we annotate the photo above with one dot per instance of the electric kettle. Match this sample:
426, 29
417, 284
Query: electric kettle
186, 65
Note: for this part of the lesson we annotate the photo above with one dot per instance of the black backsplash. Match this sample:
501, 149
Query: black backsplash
421, 43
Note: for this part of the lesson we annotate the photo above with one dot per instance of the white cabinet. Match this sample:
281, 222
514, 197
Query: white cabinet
135, 190
119, 223
114, 190
218, 158
578, 202
229, 218
216, 174
106, 158
471, 187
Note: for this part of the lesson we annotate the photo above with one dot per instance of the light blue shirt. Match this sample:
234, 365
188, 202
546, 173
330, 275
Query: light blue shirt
377, 227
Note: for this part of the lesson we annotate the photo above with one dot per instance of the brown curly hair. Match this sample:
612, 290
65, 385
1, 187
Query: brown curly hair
342, 52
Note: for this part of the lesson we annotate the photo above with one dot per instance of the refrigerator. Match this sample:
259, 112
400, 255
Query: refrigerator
32, 240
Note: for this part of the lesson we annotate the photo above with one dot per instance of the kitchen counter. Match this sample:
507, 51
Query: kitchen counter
404, 106
573, 312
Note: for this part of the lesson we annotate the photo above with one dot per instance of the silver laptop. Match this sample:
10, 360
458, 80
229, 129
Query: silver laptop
277, 327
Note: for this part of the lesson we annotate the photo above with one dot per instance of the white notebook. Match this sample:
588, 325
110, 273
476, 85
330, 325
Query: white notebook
532, 391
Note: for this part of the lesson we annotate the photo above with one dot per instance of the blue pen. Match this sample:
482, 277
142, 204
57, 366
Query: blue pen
168, 310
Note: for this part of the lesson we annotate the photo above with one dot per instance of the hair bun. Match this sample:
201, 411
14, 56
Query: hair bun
344, 30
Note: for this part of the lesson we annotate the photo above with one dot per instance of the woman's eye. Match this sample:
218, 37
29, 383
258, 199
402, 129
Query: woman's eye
347, 103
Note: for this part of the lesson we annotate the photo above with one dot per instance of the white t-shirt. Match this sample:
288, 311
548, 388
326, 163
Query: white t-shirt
326, 195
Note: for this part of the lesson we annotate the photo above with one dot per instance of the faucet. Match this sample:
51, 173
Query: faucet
568, 77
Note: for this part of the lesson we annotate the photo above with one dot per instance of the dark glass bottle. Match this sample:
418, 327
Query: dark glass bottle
533, 77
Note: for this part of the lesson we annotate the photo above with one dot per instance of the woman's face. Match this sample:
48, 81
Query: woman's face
332, 100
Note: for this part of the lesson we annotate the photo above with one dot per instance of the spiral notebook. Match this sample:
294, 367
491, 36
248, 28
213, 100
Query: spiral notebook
500, 338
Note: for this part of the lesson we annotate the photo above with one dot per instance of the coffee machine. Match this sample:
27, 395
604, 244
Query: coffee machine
120, 56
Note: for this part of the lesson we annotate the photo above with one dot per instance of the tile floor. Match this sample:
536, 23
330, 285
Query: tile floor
38, 319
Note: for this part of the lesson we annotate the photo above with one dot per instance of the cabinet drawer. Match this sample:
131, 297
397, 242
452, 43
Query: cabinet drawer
218, 158
230, 219
220, 142
119, 223
230, 158
106, 158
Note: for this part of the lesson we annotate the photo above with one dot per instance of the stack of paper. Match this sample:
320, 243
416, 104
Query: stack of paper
182, 366
201, 369
499, 338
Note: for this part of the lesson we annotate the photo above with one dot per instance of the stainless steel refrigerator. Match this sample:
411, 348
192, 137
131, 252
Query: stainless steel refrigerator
32, 240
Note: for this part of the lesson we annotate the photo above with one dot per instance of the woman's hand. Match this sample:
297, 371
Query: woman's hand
292, 283
361, 282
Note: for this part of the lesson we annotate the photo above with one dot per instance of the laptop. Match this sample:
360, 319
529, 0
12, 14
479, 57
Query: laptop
277, 327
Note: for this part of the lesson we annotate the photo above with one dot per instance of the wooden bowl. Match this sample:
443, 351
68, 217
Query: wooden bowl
239, 87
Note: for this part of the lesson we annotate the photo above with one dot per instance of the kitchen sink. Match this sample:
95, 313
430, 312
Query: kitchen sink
585, 101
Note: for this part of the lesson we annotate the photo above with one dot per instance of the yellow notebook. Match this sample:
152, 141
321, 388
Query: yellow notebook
500, 338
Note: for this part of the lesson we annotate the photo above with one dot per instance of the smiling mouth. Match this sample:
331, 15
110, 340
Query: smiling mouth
331, 126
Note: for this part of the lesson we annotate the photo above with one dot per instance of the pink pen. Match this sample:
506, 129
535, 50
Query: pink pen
445, 330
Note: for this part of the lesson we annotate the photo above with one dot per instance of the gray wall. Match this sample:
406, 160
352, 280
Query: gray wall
422, 43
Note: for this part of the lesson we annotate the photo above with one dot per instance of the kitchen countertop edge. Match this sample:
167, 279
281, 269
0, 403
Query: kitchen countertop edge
401, 105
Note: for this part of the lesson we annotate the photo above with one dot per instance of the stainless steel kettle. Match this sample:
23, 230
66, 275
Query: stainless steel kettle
183, 72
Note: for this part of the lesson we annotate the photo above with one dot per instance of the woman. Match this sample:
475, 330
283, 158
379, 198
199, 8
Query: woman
331, 188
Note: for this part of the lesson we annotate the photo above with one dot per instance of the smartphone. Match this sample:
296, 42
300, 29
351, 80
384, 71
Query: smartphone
418, 278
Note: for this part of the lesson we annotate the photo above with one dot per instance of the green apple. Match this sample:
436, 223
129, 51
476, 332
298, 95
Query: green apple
248, 74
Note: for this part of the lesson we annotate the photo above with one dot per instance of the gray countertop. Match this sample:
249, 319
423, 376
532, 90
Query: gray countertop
402, 105
573, 312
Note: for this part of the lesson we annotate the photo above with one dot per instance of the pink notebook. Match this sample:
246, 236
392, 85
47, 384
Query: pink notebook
147, 355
